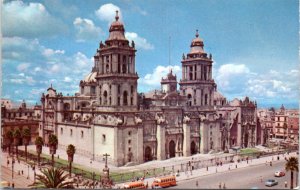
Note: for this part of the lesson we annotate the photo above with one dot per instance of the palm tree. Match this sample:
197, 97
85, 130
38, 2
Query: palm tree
9, 139
70, 151
53, 146
292, 165
39, 142
52, 178
26, 138
17, 137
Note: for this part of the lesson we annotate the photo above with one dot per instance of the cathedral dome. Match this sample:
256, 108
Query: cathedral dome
91, 77
197, 44
116, 30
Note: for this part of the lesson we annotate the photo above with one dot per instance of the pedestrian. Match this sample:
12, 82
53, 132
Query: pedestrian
197, 183
236, 166
220, 185
221, 163
7, 163
206, 168
285, 184
270, 163
22, 172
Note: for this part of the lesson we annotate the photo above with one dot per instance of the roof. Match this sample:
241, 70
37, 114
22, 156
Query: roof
116, 30
218, 95
91, 77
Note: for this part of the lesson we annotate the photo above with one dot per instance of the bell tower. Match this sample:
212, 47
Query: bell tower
197, 83
115, 66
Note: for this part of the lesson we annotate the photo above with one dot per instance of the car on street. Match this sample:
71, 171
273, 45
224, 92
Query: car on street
279, 174
271, 182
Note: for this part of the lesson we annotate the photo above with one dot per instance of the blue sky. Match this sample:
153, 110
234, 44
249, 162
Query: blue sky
254, 44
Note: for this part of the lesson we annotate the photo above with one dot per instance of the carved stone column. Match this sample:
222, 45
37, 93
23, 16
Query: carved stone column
186, 136
161, 137
140, 139
203, 135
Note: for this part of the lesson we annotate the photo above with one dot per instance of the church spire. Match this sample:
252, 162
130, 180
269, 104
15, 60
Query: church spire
197, 34
117, 16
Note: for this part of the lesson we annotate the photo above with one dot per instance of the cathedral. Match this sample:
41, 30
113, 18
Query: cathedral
108, 115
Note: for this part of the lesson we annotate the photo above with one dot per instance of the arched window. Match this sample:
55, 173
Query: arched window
124, 68
131, 90
107, 68
105, 97
189, 99
119, 89
125, 102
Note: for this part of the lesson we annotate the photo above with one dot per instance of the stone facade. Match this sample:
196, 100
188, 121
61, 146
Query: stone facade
109, 116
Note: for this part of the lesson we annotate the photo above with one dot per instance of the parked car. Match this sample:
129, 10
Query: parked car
271, 182
279, 174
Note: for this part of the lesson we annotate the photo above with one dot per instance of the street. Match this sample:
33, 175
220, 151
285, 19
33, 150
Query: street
20, 181
245, 178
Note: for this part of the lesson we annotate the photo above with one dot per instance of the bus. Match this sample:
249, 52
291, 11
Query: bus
135, 185
5, 185
162, 182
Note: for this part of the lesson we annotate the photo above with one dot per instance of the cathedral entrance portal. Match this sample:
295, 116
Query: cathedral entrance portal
148, 154
172, 149
193, 148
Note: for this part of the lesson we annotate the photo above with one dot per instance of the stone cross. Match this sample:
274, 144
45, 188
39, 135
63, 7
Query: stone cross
106, 155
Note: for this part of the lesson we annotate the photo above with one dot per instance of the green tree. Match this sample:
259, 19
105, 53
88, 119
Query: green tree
53, 142
26, 134
70, 151
52, 178
39, 142
292, 165
9, 136
17, 138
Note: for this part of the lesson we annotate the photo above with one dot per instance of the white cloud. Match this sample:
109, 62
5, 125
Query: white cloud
29, 19
67, 79
107, 12
54, 68
17, 81
49, 52
227, 75
82, 61
141, 43
86, 30
23, 66
153, 79
37, 69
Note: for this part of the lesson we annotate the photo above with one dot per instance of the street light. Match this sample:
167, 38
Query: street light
33, 168
12, 171
28, 172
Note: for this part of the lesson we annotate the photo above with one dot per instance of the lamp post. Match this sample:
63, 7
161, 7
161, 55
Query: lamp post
12, 171
33, 168
28, 172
